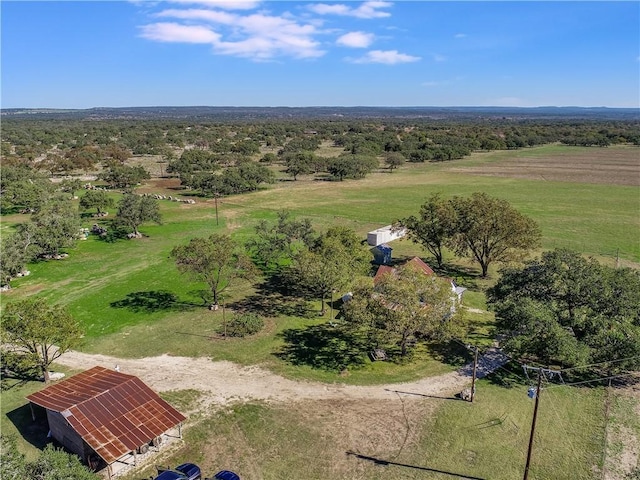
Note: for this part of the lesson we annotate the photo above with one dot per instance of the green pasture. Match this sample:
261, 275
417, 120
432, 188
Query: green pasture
132, 287
133, 302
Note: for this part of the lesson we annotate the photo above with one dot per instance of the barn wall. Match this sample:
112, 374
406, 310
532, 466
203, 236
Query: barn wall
67, 436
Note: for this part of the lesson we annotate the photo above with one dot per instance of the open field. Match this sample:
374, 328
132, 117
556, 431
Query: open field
133, 303
618, 166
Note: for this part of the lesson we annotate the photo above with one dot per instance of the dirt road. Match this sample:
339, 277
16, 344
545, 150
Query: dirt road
226, 382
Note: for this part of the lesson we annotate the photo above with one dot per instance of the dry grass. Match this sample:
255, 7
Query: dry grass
609, 166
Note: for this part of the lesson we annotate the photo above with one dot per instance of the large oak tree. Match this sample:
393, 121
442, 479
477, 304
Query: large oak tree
404, 303
216, 260
134, 210
433, 227
39, 331
564, 308
490, 230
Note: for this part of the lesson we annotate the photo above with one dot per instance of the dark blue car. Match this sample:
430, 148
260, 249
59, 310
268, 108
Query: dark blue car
186, 471
226, 475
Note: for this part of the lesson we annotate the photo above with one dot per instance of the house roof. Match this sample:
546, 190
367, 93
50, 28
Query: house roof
113, 412
415, 261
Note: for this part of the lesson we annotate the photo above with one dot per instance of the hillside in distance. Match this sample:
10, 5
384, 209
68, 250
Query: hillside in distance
325, 113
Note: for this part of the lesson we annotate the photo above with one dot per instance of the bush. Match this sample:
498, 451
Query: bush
244, 324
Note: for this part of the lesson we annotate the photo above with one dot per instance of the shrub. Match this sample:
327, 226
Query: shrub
244, 324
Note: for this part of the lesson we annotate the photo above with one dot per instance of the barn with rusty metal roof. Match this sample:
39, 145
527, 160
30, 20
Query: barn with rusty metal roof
103, 415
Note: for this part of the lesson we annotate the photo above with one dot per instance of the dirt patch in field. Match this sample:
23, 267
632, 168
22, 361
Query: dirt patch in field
376, 429
600, 166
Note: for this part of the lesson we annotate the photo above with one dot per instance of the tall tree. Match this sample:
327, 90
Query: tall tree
331, 263
13, 256
134, 210
491, 230
274, 243
433, 228
394, 160
56, 226
216, 260
568, 309
40, 331
298, 163
405, 303
98, 199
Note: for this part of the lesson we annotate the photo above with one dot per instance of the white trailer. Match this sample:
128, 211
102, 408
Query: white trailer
384, 235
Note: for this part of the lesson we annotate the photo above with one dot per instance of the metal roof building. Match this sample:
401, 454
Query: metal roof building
105, 413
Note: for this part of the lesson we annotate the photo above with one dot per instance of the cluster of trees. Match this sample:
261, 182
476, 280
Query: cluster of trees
403, 305
311, 264
54, 224
118, 175
485, 228
219, 174
569, 310
51, 464
63, 147
315, 266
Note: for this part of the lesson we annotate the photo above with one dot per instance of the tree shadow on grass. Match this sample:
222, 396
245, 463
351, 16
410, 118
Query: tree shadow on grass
272, 299
510, 375
451, 353
464, 276
383, 462
324, 347
152, 301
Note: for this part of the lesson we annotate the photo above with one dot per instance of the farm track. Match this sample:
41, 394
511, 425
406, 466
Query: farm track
223, 382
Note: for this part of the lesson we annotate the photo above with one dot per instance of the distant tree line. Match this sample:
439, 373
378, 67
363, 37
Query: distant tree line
60, 146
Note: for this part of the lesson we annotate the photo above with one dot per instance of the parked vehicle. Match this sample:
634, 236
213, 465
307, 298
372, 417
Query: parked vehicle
186, 471
226, 475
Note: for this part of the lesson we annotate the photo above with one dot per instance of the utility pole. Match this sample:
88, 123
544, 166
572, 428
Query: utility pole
215, 196
475, 367
533, 425
331, 307
224, 319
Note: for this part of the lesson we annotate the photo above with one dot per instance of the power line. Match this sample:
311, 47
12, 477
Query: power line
600, 363
594, 380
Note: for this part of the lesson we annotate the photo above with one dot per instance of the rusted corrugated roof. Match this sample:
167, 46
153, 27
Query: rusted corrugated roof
113, 412
415, 261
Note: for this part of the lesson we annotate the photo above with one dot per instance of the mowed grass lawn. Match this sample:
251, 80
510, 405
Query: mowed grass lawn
132, 302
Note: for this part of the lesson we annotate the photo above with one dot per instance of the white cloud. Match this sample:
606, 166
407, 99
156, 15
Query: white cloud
430, 84
174, 32
439, 58
388, 57
365, 10
225, 4
257, 36
324, 9
356, 39
231, 29
213, 16
460, 35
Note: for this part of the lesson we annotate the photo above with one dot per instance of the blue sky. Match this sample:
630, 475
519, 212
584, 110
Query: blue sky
82, 54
